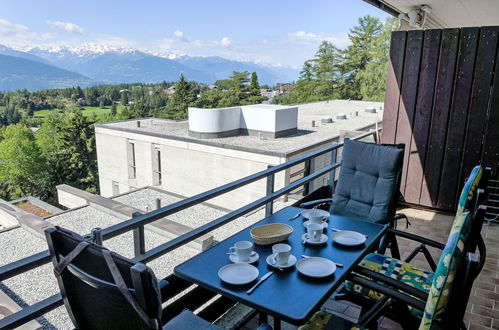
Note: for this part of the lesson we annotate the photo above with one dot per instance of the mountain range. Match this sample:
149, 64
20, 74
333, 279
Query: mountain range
37, 68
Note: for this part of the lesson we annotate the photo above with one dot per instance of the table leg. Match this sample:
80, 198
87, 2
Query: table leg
277, 324
262, 318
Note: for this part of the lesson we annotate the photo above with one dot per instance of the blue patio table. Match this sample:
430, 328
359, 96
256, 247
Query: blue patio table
287, 295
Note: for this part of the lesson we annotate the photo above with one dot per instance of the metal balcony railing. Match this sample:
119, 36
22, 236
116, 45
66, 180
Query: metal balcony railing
136, 224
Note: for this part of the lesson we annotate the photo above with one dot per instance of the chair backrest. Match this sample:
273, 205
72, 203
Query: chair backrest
101, 289
450, 262
369, 181
468, 194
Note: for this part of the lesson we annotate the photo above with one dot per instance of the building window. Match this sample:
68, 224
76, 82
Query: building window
156, 165
116, 188
132, 170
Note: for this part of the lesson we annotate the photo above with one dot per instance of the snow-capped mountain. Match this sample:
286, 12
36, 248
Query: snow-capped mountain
108, 64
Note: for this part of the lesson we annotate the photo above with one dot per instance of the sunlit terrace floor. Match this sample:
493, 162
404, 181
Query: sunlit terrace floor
483, 308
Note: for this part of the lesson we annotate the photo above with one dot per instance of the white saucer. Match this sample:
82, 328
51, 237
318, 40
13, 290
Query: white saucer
238, 273
324, 224
291, 262
348, 238
322, 213
316, 267
254, 257
305, 238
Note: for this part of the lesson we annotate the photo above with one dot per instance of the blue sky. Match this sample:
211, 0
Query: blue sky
275, 32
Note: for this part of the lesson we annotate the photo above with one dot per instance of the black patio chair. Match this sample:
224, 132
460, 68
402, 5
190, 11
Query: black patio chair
103, 290
473, 193
368, 186
440, 307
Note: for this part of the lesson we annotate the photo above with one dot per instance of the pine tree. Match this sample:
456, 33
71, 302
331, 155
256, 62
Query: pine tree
113, 110
124, 98
358, 55
254, 86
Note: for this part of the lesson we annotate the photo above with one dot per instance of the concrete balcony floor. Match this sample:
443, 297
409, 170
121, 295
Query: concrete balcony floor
483, 308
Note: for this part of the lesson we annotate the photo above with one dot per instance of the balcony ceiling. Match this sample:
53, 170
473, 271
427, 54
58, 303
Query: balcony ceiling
450, 13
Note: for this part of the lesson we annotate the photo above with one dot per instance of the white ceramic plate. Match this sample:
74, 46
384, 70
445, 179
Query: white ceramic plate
238, 273
305, 238
253, 258
291, 262
324, 224
349, 238
306, 213
316, 267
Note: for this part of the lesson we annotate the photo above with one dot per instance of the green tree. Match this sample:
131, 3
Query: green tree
67, 141
102, 105
254, 86
181, 99
359, 53
372, 79
124, 97
113, 110
23, 170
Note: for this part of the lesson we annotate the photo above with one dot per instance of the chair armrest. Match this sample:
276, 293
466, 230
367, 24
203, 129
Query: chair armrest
392, 282
417, 238
390, 292
316, 202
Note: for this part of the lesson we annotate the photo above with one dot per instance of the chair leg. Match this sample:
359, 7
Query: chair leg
394, 247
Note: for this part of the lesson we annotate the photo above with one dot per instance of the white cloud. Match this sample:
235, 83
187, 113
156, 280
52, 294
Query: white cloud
303, 35
66, 26
339, 40
225, 42
178, 34
17, 35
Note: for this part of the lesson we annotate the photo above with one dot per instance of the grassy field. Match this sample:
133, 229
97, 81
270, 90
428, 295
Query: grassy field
87, 111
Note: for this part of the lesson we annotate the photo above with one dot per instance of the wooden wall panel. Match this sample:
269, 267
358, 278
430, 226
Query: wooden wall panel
457, 119
439, 117
482, 82
408, 95
442, 101
422, 115
490, 153
393, 86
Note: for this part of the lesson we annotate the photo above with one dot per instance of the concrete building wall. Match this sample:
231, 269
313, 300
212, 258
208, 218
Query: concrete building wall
187, 168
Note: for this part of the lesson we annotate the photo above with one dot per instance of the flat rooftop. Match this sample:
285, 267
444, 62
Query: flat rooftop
306, 135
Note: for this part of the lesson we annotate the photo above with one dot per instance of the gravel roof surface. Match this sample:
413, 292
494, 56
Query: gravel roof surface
306, 135
40, 283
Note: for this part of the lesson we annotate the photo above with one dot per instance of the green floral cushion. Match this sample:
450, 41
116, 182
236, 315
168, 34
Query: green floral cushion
450, 260
321, 321
394, 268
469, 190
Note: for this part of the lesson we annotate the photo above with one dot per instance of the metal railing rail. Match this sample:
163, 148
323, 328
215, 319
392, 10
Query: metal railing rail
136, 224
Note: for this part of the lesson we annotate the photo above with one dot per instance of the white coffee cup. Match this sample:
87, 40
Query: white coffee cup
242, 250
281, 253
314, 232
316, 217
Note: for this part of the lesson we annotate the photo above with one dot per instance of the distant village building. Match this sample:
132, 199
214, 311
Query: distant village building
170, 90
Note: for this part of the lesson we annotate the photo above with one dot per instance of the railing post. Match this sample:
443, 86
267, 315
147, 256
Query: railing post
269, 207
332, 174
139, 244
306, 187
97, 236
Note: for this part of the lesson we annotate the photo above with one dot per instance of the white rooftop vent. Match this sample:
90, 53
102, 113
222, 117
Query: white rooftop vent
341, 115
371, 109
327, 120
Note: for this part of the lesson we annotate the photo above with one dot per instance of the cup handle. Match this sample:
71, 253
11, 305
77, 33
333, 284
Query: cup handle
232, 250
273, 261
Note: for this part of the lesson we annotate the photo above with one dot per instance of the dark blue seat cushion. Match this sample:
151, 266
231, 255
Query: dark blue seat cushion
368, 181
188, 320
